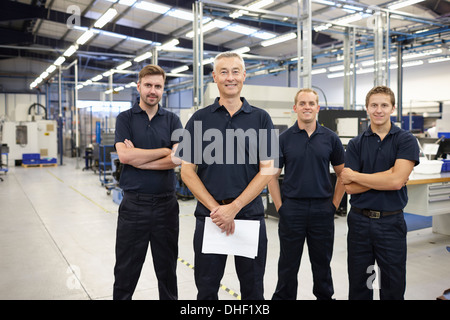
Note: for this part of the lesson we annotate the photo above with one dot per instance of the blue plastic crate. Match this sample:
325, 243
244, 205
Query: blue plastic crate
31, 158
445, 165
48, 160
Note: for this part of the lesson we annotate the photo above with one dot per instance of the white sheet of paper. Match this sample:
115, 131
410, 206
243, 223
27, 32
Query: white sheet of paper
243, 242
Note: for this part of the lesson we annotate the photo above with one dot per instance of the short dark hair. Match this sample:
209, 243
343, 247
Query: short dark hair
383, 90
151, 69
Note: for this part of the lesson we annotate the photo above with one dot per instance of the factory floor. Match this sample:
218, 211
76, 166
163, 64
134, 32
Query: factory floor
57, 237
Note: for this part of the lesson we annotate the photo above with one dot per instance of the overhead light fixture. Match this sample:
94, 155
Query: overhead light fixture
51, 68
252, 6
283, 38
322, 27
105, 18
412, 63
59, 61
351, 18
70, 51
153, 7
97, 78
325, 2
143, 57
124, 65
439, 59
181, 14
208, 61
241, 29
319, 71
168, 45
241, 50
107, 73
264, 35
85, 37
402, 4
421, 53
179, 69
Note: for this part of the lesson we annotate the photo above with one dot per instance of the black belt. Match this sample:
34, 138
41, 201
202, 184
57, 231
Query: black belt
374, 214
226, 201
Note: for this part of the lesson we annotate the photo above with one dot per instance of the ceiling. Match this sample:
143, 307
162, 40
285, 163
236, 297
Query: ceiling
42, 30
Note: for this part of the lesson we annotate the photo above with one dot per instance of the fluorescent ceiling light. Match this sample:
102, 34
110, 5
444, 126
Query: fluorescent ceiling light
51, 68
252, 6
209, 26
264, 35
143, 56
208, 61
325, 2
124, 65
322, 27
85, 37
241, 29
97, 78
105, 18
179, 69
140, 40
107, 73
401, 4
119, 88
70, 51
181, 14
421, 54
350, 18
241, 50
44, 75
153, 7
439, 59
59, 61
113, 34
131, 84
319, 71
283, 38
170, 44
87, 82
412, 63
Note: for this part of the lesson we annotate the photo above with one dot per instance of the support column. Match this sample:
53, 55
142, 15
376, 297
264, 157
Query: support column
304, 44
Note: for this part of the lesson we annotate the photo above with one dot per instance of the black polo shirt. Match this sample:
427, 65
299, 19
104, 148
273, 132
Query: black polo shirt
227, 150
307, 161
367, 153
133, 124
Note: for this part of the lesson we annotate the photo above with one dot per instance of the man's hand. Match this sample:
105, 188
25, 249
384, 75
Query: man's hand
128, 143
223, 217
347, 176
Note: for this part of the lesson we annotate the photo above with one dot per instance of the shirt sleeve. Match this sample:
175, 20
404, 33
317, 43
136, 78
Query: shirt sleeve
123, 130
186, 143
338, 154
352, 156
408, 148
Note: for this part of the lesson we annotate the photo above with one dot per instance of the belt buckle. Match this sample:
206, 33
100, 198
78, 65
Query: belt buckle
374, 214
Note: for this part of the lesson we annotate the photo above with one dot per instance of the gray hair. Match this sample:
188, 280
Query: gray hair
229, 54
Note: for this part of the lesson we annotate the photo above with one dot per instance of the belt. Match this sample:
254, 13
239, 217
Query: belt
226, 201
374, 214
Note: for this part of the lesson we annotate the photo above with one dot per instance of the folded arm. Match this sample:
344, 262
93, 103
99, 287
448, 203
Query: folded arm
393, 179
150, 159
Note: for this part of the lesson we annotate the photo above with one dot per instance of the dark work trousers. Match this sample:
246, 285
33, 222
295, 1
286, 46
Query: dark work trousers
313, 220
143, 219
382, 240
209, 268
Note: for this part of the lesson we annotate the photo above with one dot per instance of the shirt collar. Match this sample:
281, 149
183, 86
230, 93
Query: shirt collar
394, 129
137, 109
245, 105
296, 129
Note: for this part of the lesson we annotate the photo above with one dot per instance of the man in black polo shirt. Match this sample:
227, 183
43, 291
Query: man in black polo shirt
149, 208
227, 182
308, 202
377, 166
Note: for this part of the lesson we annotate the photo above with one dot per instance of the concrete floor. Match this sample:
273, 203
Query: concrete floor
57, 237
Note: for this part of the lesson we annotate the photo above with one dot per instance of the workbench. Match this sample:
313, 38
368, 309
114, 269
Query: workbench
429, 195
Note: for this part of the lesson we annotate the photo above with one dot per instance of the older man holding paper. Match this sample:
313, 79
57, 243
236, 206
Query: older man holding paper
227, 161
